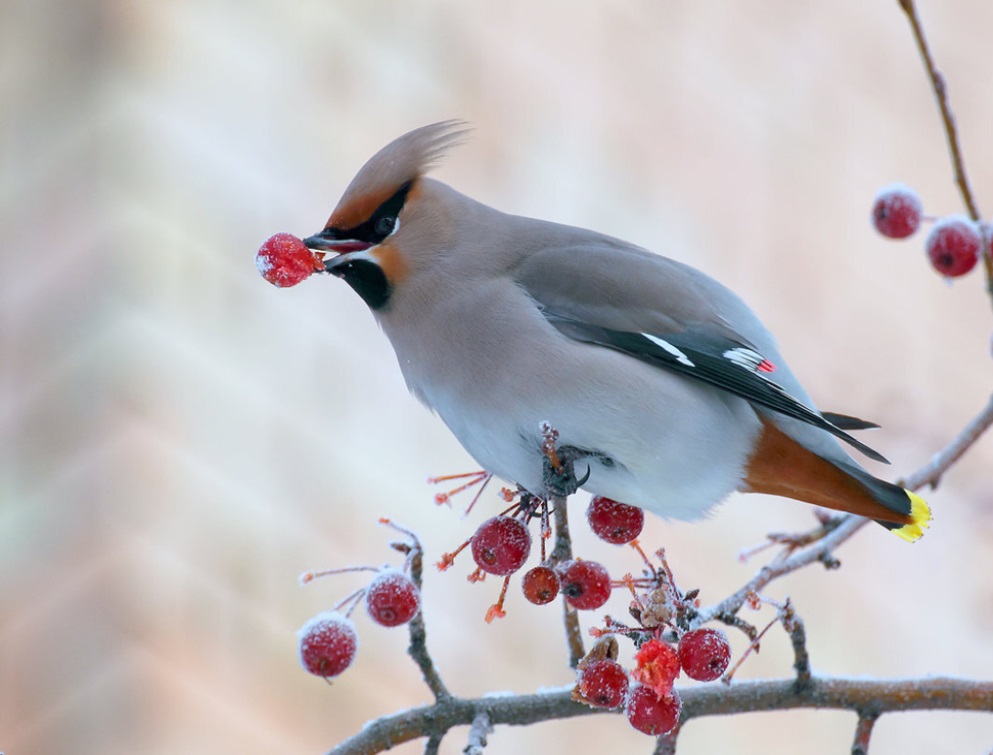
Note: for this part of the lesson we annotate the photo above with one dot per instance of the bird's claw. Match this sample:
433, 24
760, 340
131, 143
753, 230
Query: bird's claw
561, 481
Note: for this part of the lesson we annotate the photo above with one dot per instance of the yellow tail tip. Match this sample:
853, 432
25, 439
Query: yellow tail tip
920, 519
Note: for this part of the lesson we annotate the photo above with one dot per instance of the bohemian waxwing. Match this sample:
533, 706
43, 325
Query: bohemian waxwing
666, 390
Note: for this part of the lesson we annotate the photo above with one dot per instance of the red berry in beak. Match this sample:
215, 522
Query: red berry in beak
284, 261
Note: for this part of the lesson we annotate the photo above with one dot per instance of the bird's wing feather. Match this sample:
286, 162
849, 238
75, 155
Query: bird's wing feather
668, 315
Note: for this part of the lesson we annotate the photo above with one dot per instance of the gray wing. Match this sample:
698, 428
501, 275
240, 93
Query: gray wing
673, 317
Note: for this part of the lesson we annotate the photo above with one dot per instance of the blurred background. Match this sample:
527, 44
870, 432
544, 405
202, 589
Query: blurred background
180, 439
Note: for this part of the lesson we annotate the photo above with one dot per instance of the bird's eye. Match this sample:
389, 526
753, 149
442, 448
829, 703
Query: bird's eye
385, 225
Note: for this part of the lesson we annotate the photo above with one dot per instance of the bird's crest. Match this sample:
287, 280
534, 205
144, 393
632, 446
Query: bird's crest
400, 162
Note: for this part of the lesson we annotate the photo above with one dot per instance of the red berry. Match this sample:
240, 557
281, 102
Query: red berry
603, 684
540, 585
896, 212
657, 666
953, 246
585, 584
284, 261
704, 654
651, 714
327, 644
614, 522
501, 545
392, 598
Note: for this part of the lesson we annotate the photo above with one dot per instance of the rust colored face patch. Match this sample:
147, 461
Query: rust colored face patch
391, 262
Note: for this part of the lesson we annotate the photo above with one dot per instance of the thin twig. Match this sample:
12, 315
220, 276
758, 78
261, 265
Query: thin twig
478, 732
930, 473
418, 648
863, 733
731, 605
951, 133
666, 744
433, 745
560, 553
859, 695
793, 625
941, 96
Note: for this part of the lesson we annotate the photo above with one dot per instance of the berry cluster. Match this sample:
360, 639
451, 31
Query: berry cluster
955, 243
284, 261
651, 704
667, 646
501, 545
328, 642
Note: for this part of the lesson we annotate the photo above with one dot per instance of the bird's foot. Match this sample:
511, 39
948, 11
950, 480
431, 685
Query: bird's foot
560, 480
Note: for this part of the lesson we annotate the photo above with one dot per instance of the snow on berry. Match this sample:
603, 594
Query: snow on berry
501, 545
614, 522
540, 585
284, 261
585, 584
657, 666
651, 714
603, 684
328, 644
896, 211
392, 598
704, 654
953, 246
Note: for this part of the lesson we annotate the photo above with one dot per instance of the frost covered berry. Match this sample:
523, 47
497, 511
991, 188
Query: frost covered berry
651, 714
614, 522
585, 584
540, 585
501, 545
392, 598
704, 654
953, 246
603, 684
328, 644
657, 666
896, 212
284, 261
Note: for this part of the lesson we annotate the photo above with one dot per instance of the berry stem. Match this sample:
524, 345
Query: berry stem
309, 576
353, 598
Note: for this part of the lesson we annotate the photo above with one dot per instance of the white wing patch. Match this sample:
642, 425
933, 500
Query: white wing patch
680, 356
749, 359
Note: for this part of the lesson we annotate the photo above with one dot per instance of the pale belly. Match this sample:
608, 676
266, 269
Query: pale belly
676, 456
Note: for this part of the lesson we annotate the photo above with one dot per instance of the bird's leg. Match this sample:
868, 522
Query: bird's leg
560, 479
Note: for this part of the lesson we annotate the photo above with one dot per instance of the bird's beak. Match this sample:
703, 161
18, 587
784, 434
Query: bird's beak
328, 240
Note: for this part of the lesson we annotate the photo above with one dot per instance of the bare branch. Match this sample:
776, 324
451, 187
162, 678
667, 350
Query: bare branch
951, 133
863, 732
793, 625
866, 697
930, 473
730, 605
478, 732
563, 552
820, 550
666, 744
519, 710
418, 648
433, 745
947, 118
